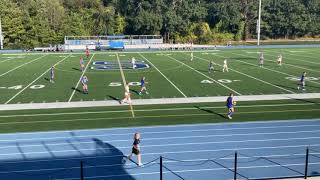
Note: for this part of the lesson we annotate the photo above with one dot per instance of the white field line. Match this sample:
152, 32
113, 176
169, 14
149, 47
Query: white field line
265, 82
17, 94
172, 131
21, 65
271, 53
163, 75
299, 67
206, 76
5, 61
158, 116
75, 88
155, 109
83, 150
268, 68
82, 142
124, 83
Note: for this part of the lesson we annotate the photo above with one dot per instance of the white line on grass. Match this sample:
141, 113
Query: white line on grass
5, 61
163, 75
290, 54
17, 94
206, 76
21, 65
249, 75
124, 82
156, 109
155, 116
268, 68
84, 71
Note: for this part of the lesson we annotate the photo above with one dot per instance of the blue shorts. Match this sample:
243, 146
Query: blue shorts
229, 106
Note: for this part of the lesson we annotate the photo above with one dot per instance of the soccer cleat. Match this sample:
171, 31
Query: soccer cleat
140, 93
140, 165
147, 93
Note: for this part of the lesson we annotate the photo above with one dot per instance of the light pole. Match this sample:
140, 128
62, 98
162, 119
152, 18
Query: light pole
1, 37
259, 23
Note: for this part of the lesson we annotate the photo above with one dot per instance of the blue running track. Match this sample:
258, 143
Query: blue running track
191, 152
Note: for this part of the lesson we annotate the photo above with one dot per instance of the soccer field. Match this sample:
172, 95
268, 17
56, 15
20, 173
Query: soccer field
170, 74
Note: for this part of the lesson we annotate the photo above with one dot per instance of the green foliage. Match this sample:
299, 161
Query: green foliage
31, 23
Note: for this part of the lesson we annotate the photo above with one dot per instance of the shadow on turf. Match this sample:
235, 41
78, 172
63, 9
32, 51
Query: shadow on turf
211, 112
77, 69
47, 79
47, 162
76, 89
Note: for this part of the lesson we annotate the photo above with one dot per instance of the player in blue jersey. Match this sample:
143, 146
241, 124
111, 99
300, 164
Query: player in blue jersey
143, 86
82, 64
230, 105
302, 81
211, 67
52, 74
84, 82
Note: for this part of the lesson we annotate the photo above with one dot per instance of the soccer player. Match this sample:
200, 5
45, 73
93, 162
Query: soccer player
52, 74
225, 66
136, 149
82, 64
261, 59
191, 56
133, 62
84, 82
302, 83
279, 60
87, 52
143, 86
127, 94
230, 105
211, 67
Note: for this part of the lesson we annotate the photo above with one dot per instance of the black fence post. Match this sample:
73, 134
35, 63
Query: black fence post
306, 165
160, 167
235, 165
81, 170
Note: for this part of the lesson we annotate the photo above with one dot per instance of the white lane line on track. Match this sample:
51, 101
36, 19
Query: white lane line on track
17, 94
22, 65
296, 121
193, 171
206, 76
75, 88
252, 77
164, 152
175, 131
164, 76
153, 139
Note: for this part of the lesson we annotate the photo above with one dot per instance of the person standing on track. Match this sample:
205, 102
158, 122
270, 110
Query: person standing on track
136, 148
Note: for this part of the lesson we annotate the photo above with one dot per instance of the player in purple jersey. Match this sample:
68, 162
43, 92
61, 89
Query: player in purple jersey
52, 74
143, 86
230, 105
302, 81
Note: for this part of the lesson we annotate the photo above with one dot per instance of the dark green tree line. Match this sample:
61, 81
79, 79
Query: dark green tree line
31, 23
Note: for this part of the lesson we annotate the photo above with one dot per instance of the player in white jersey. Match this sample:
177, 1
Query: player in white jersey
52, 74
133, 62
191, 56
127, 94
225, 66
279, 60
261, 59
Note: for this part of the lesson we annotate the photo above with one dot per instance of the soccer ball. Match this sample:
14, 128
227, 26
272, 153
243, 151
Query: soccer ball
234, 103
